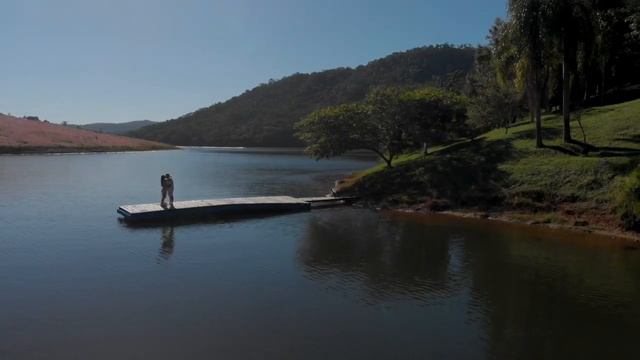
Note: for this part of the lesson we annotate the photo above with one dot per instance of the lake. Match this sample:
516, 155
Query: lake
337, 283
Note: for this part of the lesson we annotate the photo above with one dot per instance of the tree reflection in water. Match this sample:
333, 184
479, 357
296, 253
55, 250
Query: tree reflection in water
386, 260
536, 293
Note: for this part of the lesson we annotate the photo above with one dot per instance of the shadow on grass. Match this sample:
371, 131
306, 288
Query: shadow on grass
465, 174
530, 134
564, 150
617, 152
634, 139
596, 111
579, 148
598, 151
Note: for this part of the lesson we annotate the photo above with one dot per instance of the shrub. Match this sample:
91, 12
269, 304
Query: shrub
628, 201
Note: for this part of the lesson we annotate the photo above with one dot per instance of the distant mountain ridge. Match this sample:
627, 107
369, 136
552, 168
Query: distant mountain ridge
117, 128
264, 116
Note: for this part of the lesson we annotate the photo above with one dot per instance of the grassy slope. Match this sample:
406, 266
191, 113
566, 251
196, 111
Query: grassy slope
26, 136
506, 169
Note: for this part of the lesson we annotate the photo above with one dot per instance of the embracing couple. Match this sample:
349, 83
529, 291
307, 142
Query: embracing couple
167, 189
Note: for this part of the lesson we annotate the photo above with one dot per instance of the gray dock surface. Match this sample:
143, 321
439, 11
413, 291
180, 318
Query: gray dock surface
198, 208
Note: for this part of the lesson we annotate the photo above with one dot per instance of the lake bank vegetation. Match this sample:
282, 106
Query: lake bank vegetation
540, 126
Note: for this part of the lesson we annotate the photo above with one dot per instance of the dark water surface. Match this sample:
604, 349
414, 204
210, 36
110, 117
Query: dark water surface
339, 283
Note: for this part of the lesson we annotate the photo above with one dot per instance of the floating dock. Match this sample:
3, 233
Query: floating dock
232, 206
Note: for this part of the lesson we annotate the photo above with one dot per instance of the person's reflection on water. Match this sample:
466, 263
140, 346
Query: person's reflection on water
168, 243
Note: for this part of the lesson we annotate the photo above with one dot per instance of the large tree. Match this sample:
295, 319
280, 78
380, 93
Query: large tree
433, 115
390, 121
493, 100
569, 23
334, 130
528, 23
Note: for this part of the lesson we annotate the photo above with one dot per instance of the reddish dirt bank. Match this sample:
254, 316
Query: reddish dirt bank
19, 135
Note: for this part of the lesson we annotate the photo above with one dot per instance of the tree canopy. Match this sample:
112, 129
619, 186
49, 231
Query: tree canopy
391, 120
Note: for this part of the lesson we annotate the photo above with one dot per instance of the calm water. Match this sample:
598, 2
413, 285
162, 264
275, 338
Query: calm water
339, 283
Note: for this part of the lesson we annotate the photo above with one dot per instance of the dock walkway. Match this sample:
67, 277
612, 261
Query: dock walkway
200, 208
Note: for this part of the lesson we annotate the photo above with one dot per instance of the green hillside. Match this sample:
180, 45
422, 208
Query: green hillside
506, 171
264, 116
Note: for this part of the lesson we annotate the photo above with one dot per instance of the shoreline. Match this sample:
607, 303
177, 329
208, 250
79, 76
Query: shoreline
75, 150
527, 219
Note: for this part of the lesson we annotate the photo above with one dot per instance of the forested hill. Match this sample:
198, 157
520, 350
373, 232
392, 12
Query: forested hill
117, 128
264, 116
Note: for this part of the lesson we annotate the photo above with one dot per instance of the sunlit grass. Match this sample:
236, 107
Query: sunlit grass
558, 172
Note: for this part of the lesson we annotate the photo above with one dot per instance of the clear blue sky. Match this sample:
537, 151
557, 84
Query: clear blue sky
120, 60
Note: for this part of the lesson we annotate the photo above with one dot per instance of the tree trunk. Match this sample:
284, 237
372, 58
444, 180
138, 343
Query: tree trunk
603, 71
425, 149
544, 98
535, 99
585, 99
389, 160
539, 143
566, 101
544, 102
531, 107
383, 157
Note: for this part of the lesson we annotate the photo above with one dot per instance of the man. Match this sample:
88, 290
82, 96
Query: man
167, 189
